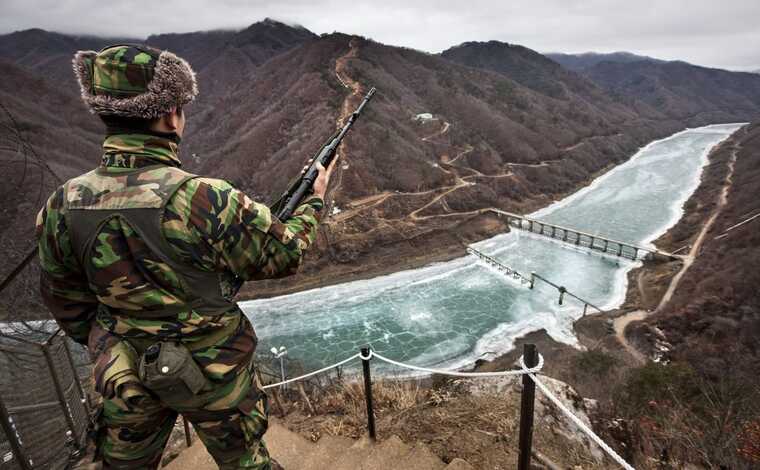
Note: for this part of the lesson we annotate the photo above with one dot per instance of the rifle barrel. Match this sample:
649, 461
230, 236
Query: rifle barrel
292, 197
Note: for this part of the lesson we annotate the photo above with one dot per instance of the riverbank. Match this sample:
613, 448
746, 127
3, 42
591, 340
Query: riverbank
647, 284
601, 370
438, 245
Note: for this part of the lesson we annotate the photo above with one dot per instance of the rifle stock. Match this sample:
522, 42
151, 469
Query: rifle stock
303, 186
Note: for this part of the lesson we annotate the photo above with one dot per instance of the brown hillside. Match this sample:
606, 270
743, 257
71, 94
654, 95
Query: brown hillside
510, 129
698, 95
714, 316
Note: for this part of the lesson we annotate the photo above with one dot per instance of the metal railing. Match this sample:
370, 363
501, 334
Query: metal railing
531, 363
44, 410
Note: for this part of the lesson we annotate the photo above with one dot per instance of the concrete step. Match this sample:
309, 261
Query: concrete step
327, 451
421, 458
354, 457
294, 452
386, 454
459, 464
287, 447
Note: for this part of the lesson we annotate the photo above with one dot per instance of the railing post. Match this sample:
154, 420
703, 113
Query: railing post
530, 357
59, 391
368, 393
13, 438
532, 279
562, 291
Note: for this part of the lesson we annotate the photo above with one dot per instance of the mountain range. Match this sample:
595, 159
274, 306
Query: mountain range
510, 128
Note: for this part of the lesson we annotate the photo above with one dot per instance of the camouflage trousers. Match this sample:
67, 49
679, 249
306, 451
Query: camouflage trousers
230, 418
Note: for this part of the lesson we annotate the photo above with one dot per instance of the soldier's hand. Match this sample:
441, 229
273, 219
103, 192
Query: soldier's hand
320, 184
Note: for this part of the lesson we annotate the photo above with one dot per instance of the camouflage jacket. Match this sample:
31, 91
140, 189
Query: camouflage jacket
208, 224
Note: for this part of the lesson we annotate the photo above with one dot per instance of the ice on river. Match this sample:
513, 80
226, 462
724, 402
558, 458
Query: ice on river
449, 314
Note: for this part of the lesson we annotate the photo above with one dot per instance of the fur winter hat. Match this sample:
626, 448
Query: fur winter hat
134, 81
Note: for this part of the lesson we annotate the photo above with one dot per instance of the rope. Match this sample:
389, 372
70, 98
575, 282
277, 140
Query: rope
305, 376
583, 427
522, 371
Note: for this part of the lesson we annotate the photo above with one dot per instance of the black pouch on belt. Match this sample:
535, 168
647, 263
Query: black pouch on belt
168, 369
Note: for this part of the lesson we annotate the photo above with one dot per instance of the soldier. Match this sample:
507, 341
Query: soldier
140, 262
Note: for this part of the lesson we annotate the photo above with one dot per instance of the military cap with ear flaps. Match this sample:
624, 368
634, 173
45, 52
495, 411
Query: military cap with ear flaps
134, 81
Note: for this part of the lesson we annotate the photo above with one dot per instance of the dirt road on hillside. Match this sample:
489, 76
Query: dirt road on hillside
623, 321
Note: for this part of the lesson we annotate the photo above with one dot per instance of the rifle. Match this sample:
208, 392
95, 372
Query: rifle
304, 185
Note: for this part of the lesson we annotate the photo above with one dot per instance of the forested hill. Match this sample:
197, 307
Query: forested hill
511, 129
580, 62
652, 88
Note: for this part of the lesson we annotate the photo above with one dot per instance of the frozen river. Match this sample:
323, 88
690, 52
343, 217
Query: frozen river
450, 314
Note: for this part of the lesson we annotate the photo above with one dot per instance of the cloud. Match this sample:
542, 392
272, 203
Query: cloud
698, 31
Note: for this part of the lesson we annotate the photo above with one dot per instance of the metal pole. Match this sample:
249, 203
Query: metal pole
188, 438
13, 438
82, 395
368, 393
59, 391
530, 357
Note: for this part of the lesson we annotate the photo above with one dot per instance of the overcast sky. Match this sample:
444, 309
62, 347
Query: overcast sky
718, 33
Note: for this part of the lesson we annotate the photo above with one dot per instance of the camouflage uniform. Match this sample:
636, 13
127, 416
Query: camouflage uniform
120, 294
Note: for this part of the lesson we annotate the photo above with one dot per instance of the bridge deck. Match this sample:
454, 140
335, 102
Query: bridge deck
501, 267
582, 239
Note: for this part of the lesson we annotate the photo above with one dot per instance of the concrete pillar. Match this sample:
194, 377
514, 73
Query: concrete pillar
564, 236
577, 238
562, 291
620, 249
554, 229
606, 242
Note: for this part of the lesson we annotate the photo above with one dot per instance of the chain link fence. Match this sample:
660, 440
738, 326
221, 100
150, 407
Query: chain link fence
44, 409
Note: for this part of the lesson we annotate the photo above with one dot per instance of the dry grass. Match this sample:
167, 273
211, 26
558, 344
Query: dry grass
443, 415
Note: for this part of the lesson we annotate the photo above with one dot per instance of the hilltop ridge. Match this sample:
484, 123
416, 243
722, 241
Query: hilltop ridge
511, 129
